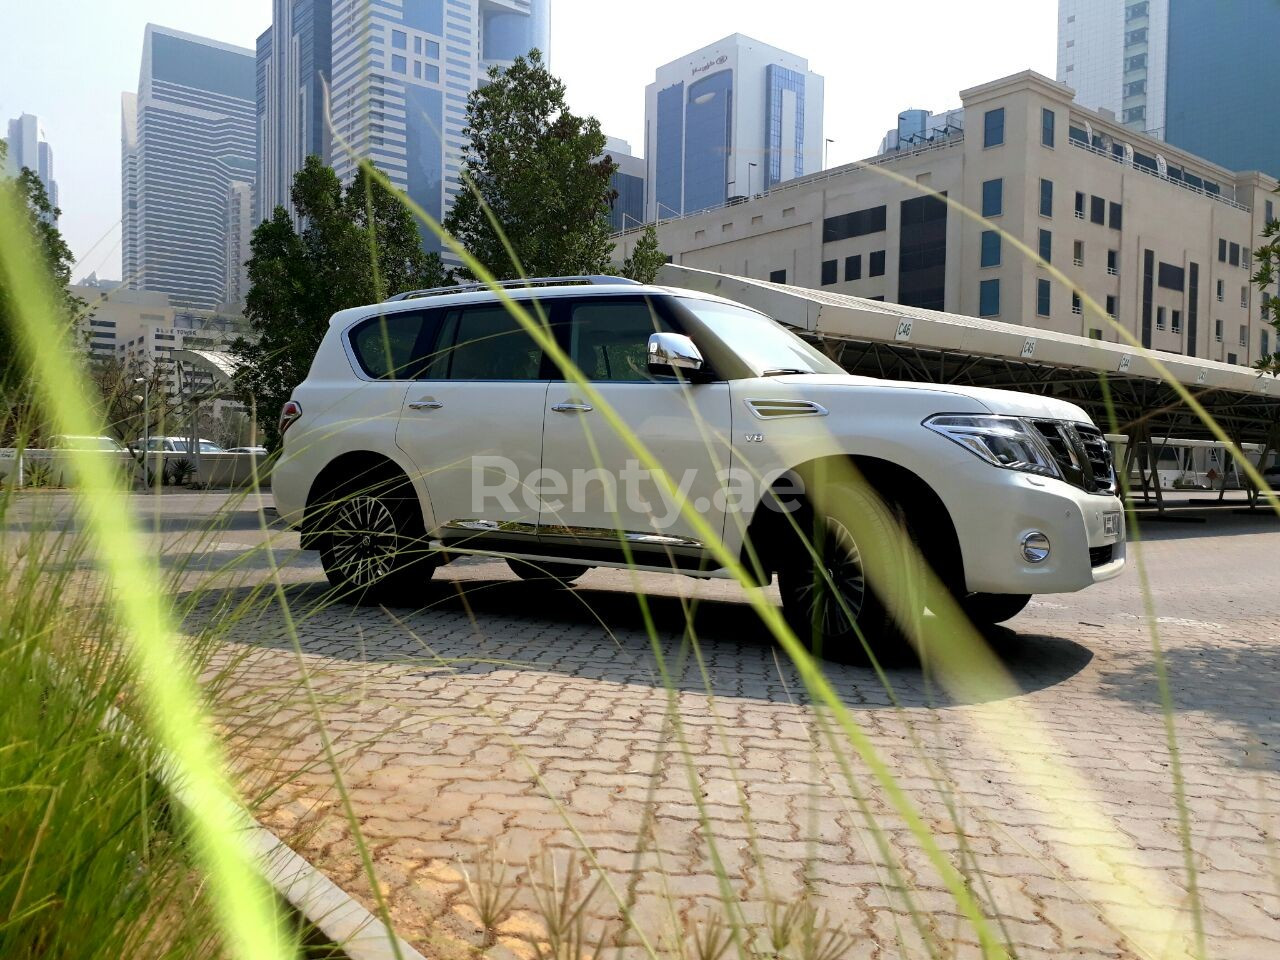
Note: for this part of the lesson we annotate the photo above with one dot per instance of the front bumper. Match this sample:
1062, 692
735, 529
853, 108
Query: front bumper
1011, 505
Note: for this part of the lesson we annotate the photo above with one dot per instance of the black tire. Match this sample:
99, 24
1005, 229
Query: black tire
877, 571
536, 570
987, 609
372, 543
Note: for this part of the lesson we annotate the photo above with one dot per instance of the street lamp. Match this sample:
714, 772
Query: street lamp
146, 421
826, 153
750, 168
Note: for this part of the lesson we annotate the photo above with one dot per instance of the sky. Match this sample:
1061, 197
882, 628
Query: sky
67, 61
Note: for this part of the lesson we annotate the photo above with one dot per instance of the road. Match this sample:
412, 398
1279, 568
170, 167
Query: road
538, 719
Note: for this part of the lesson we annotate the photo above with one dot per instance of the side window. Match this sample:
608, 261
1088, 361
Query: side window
610, 338
394, 346
485, 343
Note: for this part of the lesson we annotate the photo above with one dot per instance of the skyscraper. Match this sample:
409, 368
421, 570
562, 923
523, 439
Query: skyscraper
190, 138
402, 70
29, 147
731, 119
1199, 75
293, 84
628, 181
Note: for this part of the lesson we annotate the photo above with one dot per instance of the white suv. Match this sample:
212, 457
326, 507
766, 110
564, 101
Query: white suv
432, 426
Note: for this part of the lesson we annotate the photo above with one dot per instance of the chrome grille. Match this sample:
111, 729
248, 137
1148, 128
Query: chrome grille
1081, 452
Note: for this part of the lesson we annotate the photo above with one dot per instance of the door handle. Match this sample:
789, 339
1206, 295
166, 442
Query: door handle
572, 406
429, 403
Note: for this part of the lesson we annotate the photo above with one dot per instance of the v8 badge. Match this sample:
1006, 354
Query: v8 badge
755, 438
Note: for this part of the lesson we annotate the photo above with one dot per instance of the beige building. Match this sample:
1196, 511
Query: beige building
1159, 238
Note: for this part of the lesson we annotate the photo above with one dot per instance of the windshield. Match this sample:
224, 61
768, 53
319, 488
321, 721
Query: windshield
764, 345
88, 443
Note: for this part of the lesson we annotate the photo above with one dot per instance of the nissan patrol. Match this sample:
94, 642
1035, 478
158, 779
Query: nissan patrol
433, 426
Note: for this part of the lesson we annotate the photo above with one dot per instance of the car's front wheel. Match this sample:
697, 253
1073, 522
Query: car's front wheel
373, 546
856, 581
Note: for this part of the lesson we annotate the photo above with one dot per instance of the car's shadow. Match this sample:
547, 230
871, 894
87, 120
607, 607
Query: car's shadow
717, 646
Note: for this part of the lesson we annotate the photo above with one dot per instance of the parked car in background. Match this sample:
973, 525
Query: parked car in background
177, 445
261, 451
65, 441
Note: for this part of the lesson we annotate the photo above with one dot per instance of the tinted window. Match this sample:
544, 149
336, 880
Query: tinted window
486, 343
856, 224
853, 267
990, 248
829, 272
989, 298
1042, 297
393, 347
1046, 198
993, 128
1046, 246
875, 264
992, 198
778, 276
1046, 127
610, 339
1097, 210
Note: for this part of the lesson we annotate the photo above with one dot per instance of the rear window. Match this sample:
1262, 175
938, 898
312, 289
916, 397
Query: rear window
395, 346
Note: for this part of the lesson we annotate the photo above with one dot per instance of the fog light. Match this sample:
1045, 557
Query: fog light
1035, 547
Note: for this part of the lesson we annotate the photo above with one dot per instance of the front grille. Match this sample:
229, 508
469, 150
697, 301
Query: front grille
1081, 452
1100, 556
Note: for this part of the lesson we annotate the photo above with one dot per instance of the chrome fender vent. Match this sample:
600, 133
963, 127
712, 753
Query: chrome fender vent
763, 409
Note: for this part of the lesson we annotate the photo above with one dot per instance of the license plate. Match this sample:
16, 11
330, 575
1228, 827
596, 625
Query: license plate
1111, 524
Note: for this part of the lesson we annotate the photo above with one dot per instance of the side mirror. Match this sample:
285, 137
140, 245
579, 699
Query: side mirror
673, 351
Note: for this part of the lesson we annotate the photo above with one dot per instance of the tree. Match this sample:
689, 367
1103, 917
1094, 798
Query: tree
53, 258
539, 170
357, 246
1266, 259
646, 258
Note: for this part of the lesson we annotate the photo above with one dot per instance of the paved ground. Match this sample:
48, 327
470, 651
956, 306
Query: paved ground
538, 720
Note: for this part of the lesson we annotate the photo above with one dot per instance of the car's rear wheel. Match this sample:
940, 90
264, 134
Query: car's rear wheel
372, 543
537, 570
857, 584
986, 609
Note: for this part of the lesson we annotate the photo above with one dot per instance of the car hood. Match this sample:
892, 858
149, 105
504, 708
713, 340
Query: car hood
1011, 403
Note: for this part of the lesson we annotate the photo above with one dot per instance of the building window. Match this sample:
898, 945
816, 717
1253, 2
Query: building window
778, 276
1076, 306
856, 224
1265, 342
1046, 246
1043, 296
1077, 253
1095, 333
1159, 318
1222, 250
992, 198
399, 64
1231, 358
1221, 292
1046, 198
1271, 214
989, 298
399, 40
1171, 277
1046, 127
829, 272
1097, 210
1244, 297
875, 264
1217, 330
1175, 321
922, 252
1234, 257
417, 69
1114, 220
1244, 335
431, 72
1113, 262
417, 45
1244, 257
990, 248
1079, 205
993, 127
1111, 305
1134, 115
853, 268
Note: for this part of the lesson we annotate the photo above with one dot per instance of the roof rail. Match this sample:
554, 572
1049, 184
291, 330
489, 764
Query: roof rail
510, 284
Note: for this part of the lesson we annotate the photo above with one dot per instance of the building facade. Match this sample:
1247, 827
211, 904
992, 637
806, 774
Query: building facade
729, 120
294, 69
1158, 238
402, 70
186, 138
1198, 75
628, 182
28, 146
239, 232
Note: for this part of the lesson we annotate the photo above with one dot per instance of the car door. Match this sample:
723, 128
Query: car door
607, 491
472, 424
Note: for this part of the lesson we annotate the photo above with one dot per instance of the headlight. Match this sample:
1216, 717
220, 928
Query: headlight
1001, 441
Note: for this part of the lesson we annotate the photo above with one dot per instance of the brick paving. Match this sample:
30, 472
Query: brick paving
537, 720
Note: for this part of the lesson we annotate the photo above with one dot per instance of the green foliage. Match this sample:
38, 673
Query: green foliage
538, 170
358, 245
1266, 260
53, 258
646, 258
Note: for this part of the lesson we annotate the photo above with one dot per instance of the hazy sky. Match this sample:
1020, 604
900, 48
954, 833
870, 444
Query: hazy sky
68, 61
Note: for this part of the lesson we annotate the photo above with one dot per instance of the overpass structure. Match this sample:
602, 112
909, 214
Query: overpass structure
1122, 387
